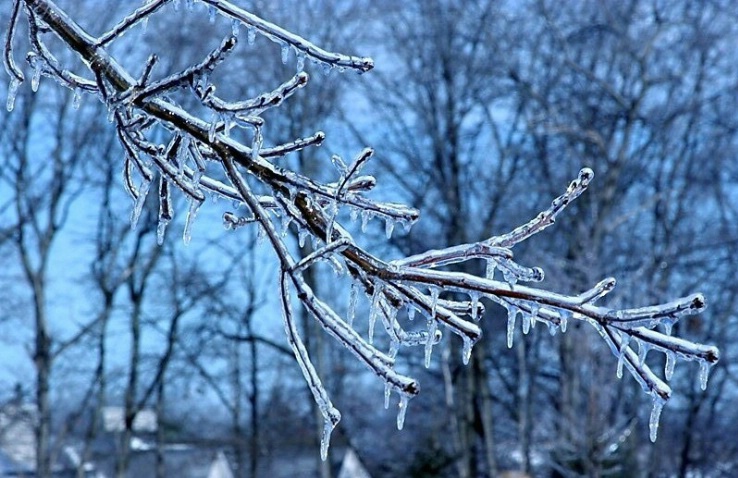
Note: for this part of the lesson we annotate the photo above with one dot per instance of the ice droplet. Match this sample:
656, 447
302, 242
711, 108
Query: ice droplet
387, 393
353, 299
301, 236
402, 410
190, 219
12, 93
670, 363
251, 35
512, 313
705, 367
235, 27
653, 422
285, 53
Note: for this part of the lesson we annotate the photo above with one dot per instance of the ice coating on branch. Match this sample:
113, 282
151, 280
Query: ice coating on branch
653, 421
12, 93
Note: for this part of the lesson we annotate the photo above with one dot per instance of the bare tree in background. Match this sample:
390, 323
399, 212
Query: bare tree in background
179, 134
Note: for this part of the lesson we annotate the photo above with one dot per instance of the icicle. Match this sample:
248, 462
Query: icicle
251, 35
670, 363
285, 53
466, 350
144, 25
365, 216
474, 296
191, 215
160, 230
387, 393
404, 399
213, 127
260, 235
534, 309
668, 325
36, 79
12, 93
286, 221
624, 341
235, 27
512, 313
526, 322
300, 62
211, 14
76, 99
301, 235
653, 422
257, 143
140, 200
325, 440
410, 312
551, 328
432, 326
374, 311
354, 214
389, 226
327, 68
490, 272
705, 367
643, 349
394, 348
564, 315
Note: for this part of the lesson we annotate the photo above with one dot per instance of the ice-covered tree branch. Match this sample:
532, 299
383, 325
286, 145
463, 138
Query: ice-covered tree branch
222, 153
